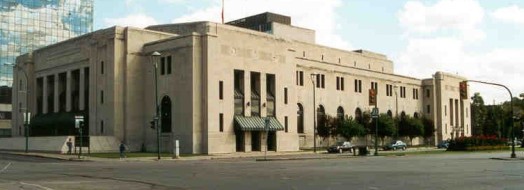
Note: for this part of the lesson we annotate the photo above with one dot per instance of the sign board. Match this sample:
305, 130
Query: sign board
372, 97
78, 119
374, 113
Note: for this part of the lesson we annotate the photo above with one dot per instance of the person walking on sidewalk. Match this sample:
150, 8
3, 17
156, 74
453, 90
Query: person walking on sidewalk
69, 146
122, 150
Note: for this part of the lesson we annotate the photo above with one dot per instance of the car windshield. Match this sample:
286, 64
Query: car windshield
340, 143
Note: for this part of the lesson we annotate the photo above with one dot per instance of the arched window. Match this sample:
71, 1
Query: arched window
415, 115
165, 111
390, 114
340, 112
300, 118
358, 116
403, 115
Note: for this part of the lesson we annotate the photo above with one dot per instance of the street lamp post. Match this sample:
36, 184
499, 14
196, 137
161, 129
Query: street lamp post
313, 77
26, 116
154, 56
513, 155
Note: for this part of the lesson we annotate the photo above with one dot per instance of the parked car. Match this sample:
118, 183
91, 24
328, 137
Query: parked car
395, 145
443, 144
340, 147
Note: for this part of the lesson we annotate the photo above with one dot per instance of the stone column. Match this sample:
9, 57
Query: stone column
57, 99
45, 107
68, 91
82, 89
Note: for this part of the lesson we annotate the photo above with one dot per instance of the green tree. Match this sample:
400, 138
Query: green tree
478, 114
429, 128
411, 128
326, 127
350, 128
386, 127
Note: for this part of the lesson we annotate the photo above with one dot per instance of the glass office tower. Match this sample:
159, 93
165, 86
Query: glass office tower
26, 25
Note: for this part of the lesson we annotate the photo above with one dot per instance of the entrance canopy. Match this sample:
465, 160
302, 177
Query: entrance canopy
257, 124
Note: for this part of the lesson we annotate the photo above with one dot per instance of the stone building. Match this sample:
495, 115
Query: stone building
217, 84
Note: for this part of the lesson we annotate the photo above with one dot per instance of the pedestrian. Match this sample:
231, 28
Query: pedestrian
122, 150
69, 146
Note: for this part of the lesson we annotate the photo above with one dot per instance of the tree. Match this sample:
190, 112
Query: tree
326, 127
478, 114
429, 128
386, 127
350, 128
416, 128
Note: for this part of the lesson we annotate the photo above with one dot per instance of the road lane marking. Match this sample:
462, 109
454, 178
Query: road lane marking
5, 168
36, 185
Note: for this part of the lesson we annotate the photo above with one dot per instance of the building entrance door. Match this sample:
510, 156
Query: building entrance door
272, 141
239, 136
255, 141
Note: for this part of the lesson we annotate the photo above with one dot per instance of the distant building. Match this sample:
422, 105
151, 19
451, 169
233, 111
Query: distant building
218, 83
26, 25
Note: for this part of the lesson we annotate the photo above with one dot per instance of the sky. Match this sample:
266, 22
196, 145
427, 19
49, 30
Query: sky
478, 39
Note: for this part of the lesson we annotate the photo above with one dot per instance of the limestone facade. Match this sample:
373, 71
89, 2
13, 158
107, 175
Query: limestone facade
208, 73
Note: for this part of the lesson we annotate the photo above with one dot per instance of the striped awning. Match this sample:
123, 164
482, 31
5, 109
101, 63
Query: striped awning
257, 124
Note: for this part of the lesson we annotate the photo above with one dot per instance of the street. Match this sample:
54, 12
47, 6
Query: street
439, 171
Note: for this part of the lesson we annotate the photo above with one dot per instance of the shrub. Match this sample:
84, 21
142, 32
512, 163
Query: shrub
477, 143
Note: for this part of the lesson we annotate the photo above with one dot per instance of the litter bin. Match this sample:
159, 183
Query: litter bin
363, 151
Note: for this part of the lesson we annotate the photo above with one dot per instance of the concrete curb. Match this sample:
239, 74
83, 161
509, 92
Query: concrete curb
44, 156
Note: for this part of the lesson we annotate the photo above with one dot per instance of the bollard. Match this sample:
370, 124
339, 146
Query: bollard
176, 150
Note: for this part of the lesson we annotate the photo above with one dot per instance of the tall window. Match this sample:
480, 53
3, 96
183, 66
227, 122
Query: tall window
239, 92
285, 124
358, 116
168, 62
255, 94
270, 96
102, 67
340, 112
221, 90
101, 97
221, 122
101, 126
300, 78
415, 93
300, 118
320, 78
358, 86
285, 95
340, 83
162, 65
403, 92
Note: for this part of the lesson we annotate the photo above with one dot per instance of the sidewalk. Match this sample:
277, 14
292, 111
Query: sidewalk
259, 156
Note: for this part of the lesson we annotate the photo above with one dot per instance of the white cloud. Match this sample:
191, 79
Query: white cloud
319, 15
137, 20
512, 14
429, 49
445, 15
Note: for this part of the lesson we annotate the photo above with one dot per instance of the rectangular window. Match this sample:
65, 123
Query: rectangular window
221, 90
428, 109
221, 122
285, 124
427, 93
356, 85
238, 92
323, 81
297, 77
168, 64
101, 126
338, 83
301, 75
318, 80
102, 67
414, 94
162, 65
360, 86
101, 97
342, 83
285, 95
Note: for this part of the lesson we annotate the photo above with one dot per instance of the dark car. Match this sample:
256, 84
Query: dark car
443, 144
340, 147
395, 145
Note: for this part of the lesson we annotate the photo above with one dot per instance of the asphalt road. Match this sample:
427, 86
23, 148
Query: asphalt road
439, 171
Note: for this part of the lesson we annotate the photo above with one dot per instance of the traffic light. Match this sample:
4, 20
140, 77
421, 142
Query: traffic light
463, 87
372, 97
152, 124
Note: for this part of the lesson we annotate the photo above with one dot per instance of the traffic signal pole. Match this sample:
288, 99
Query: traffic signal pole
513, 155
